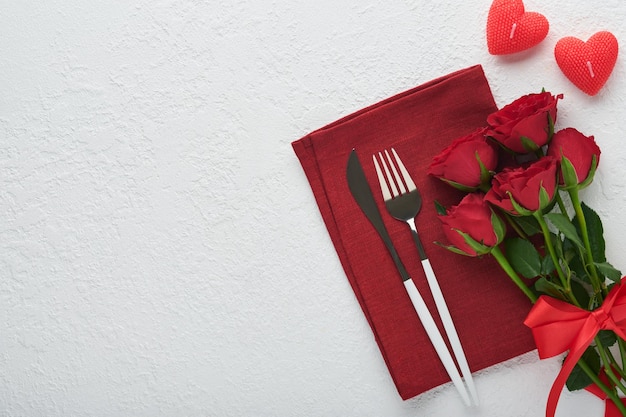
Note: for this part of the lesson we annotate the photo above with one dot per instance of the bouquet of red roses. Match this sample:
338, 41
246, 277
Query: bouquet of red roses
523, 207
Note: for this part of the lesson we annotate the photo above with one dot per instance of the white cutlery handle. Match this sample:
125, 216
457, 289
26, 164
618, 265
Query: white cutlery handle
436, 339
448, 325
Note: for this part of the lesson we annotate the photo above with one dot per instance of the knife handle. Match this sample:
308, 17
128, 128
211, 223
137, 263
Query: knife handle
436, 339
394, 255
449, 328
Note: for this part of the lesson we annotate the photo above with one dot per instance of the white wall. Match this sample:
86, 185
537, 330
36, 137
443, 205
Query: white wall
161, 253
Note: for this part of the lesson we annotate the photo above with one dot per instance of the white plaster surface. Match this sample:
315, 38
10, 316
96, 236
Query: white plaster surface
161, 253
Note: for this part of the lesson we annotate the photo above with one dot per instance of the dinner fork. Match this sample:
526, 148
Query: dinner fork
403, 202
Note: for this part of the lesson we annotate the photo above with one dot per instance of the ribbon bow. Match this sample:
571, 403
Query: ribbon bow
558, 326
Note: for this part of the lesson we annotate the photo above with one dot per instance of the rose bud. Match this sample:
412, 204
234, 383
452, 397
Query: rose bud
525, 190
466, 163
578, 155
526, 124
472, 227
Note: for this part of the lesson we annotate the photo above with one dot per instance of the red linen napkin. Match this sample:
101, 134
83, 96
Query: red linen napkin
486, 307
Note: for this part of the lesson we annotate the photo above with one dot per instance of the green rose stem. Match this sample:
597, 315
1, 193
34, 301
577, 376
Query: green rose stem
609, 392
615, 364
608, 360
565, 283
622, 351
506, 266
595, 281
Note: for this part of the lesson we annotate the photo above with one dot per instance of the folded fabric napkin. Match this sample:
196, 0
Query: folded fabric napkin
486, 307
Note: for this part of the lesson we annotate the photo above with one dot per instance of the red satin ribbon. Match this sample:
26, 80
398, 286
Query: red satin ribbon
558, 326
610, 409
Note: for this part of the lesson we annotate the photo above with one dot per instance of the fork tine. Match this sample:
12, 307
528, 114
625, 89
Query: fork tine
396, 176
405, 174
381, 179
390, 179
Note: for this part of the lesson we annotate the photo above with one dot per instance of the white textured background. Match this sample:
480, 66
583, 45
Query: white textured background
161, 253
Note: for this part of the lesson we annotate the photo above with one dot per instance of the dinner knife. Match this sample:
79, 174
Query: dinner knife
362, 193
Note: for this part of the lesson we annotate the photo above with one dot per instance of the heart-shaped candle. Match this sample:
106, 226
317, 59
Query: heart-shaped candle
511, 29
587, 65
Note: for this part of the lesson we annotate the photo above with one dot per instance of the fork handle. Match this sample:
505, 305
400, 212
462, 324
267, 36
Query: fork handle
436, 339
418, 242
444, 314
449, 328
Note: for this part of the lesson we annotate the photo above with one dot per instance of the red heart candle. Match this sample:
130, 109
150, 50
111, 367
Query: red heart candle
511, 29
587, 65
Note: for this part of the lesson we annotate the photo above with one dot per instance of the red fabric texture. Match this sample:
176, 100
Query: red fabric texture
511, 29
588, 65
487, 308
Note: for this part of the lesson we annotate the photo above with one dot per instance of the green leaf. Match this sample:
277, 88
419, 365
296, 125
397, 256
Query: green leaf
547, 265
592, 172
578, 379
528, 144
563, 224
499, 227
569, 172
544, 286
453, 249
570, 250
558, 245
576, 265
458, 186
607, 338
521, 211
485, 174
523, 257
529, 224
544, 198
609, 271
580, 293
478, 247
441, 209
596, 232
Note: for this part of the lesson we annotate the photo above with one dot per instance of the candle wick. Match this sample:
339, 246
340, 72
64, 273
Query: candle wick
590, 68
513, 30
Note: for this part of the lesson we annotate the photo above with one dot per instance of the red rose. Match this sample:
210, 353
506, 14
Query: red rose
524, 185
474, 218
524, 125
579, 150
459, 163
